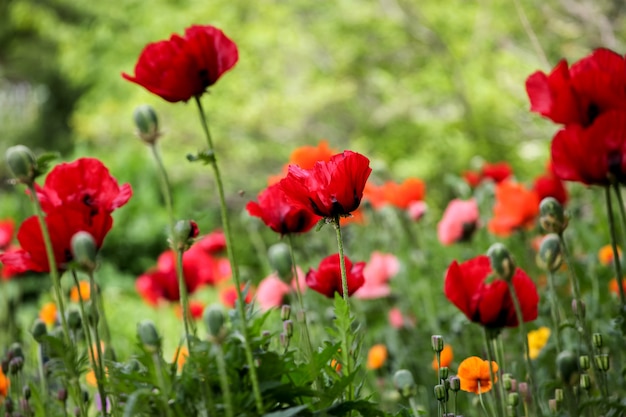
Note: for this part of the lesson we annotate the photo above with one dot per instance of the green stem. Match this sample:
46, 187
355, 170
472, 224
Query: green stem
43, 380
414, 409
492, 377
184, 299
524, 336
156, 359
221, 368
233, 263
555, 312
98, 342
616, 257
165, 186
99, 303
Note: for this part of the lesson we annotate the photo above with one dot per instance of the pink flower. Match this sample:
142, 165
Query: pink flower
380, 268
272, 290
416, 210
459, 221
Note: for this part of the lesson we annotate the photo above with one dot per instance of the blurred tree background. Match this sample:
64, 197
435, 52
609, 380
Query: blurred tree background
424, 88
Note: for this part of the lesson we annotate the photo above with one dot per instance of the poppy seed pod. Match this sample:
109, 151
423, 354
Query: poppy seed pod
501, 261
404, 383
214, 321
148, 335
74, 320
22, 163
550, 256
552, 217
147, 123
84, 250
436, 342
441, 394
455, 383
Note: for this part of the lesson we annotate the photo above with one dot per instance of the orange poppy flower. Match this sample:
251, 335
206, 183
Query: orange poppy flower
605, 254
516, 207
614, 287
85, 291
48, 313
376, 356
374, 194
4, 385
306, 156
445, 358
228, 295
196, 308
180, 356
403, 194
474, 375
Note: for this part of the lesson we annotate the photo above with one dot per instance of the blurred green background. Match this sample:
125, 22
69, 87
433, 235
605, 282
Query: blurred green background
424, 88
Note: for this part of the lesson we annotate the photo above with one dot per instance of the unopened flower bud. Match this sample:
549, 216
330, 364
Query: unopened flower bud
16, 365
284, 340
280, 260
84, 250
62, 395
455, 383
578, 308
285, 312
184, 233
148, 335
584, 362
5, 365
558, 395
16, 351
147, 123
553, 405
523, 390
22, 163
585, 382
443, 372
74, 320
567, 366
513, 399
550, 256
8, 405
440, 392
598, 342
39, 330
437, 343
288, 327
602, 360
214, 321
404, 383
501, 261
552, 217
26, 392
506, 382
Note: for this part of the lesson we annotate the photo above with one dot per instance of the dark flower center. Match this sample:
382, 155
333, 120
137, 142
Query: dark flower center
593, 111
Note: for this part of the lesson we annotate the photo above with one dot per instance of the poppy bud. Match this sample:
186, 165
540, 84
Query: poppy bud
280, 259
39, 330
597, 340
558, 395
553, 405
26, 392
184, 233
578, 308
16, 365
550, 256
602, 361
22, 163
437, 342
288, 327
62, 395
552, 217
148, 335
441, 393
84, 250
455, 383
16, 351
567, 365
284, 342
147, 123
404, 383
501, 261
584, 362
74, 320
285, 312
506, 382
443, 372
513, 399
523, 390
214, 322
8, 405
585, 382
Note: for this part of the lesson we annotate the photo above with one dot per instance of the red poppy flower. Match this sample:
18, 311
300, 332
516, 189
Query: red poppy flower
327, 278
516, 207
472, 178
488, 302
277, 212
593, 155
549, 185
7, 228
497, 172
214, 242
329, 189
591, 87
84, 183
184, 66
62, 222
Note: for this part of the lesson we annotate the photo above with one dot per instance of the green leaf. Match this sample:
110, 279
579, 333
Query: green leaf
293, 411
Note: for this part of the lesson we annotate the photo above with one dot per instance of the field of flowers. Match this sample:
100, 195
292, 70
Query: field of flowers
351, 297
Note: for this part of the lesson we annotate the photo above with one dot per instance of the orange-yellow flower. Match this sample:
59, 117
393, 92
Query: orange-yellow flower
401, 195
605, 254
445, 358
48, 313
307, 156
85, 292
474, 375
4, 385
537, 339
376, 356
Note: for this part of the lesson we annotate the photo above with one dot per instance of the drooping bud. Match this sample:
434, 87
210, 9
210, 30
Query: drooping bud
404, 383
552, 217
437, 342
280, 259
501, 261
148, 335
16, 351
567, 366
214, 321
147, 123
184, 233
550, 256
84, 250
22, 163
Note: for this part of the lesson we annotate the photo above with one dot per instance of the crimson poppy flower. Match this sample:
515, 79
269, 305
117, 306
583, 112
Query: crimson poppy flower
277, 212
327, 278
488, 302
7, 228
329, 189
497, 172
213, 243
549, 185
594, 155
577, 95
184, 66
62, 222
84, 183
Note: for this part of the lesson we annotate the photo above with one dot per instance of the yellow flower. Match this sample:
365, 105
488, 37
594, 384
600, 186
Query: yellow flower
85, 291
537, 339
48, 313
376, 356
474, 375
